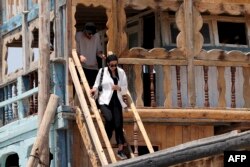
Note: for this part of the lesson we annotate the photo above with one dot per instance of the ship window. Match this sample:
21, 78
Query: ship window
12, 160
14, 59
232, 33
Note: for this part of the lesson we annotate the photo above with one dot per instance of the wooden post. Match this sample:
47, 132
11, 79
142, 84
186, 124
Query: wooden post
43, 132
43, 67
140, 124
58, 30
1, 42
85, 137
188, 19
25, 36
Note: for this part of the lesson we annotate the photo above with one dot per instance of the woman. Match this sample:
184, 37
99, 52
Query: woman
114, 85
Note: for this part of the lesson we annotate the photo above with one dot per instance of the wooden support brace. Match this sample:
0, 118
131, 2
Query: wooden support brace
140, 124
85, 137
43, 131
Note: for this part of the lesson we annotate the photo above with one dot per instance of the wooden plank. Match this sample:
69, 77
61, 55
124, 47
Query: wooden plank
190, 151
246, 87
138, 85
140, 124
189, 41
19, 97
87, 115
58, 30
221, 84
44, 69
93, 106
167, 86
43, 132
85, 137
221, 115
25, 37
139, 61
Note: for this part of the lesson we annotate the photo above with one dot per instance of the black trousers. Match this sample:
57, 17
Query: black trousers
113, 119
90, 76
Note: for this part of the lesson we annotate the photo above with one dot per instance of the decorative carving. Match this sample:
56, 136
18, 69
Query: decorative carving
155, 53
197, 36
178, 80
220, 8
233, 96
152, 87
206, 103
218, 54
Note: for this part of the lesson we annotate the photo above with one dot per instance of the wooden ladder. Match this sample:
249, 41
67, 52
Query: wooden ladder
85, 116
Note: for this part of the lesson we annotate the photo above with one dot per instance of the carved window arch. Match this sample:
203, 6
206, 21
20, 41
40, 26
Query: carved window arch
12, 54
85, 12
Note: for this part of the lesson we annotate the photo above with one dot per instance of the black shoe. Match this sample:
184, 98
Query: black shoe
121, 155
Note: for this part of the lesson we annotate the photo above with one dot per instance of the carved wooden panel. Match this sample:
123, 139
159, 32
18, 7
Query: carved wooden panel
197, 39
221, 87
138, 86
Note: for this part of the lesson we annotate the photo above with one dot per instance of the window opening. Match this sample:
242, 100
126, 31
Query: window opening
14, 57
232, 33
12, 161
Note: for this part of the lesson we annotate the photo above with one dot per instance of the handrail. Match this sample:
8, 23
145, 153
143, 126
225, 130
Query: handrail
93, 106
19, 97
140, 124
87, 115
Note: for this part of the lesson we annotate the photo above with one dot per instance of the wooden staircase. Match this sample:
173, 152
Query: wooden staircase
88, 113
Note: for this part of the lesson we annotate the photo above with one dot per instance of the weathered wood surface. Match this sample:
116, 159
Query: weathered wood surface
140, 124
85, 137
25, 37
43, 132
210, 115
190, 151
43, 68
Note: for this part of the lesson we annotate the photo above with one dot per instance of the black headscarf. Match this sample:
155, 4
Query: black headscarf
110, 58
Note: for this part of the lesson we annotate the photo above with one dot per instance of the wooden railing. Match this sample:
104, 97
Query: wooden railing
19, 98
221, 78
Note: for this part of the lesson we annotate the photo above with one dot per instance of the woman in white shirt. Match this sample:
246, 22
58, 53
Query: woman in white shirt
114, 86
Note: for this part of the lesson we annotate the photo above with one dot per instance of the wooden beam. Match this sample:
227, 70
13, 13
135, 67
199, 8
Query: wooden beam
140, 124
19, 97
43, 131
25, 36
43, 68
221, 115
85, 137
190, 151
189, 40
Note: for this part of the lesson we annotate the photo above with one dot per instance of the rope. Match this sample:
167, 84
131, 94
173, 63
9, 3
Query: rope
39, 160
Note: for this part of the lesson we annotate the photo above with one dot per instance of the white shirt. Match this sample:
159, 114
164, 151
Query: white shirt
107, 83
88, 48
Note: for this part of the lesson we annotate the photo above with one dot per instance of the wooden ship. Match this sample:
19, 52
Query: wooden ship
188, 69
